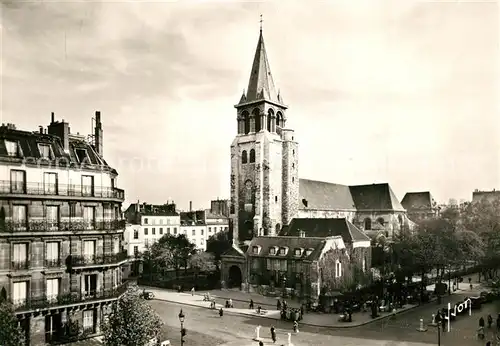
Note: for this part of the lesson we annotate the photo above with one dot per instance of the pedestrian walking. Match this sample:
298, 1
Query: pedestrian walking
230, 303
251, 304
192, 291
490, 321
273, 334
221, 312
295, 326
261, 343
481, 322
278, 305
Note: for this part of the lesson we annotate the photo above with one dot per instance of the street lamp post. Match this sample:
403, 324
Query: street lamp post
181, 319
439, 333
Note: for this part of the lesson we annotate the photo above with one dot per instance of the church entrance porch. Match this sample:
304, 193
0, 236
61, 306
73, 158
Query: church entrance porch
235, 277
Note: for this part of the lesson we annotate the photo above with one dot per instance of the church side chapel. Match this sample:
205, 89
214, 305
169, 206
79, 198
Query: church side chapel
272, 208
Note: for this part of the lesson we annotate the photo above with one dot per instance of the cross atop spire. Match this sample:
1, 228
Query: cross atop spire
261, 23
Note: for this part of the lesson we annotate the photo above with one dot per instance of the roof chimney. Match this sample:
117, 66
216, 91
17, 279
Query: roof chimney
61, 130
98, 133
190, 205
51, 117
41, 129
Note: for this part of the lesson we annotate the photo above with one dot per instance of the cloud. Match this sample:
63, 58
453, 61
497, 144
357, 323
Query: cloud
393, 91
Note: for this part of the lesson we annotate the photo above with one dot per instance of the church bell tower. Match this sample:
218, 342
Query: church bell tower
264, 158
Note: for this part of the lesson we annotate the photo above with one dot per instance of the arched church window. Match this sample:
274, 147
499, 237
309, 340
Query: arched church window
278, 228
279, 119
270, 115
252, 156
244, 157
381, 221
246, 119
368, 224
248, 192
257, 120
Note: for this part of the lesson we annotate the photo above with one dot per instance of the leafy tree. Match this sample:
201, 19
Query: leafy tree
10, 332
218, 244
132, 322
202, 262
172, 252
483, 218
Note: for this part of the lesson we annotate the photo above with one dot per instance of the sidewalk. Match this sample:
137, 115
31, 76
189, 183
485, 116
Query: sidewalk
242, 299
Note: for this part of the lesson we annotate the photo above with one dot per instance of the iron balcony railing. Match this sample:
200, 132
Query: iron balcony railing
53, 263
56, 189
98, 259
49, 225
44, 301
20, 265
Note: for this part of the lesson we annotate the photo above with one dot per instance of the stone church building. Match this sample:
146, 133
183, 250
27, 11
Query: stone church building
266, 190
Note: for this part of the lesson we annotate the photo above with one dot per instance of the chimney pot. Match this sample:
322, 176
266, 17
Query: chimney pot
41, 129
190, 205
52, 117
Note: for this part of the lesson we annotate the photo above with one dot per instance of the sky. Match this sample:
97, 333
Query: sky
397, 91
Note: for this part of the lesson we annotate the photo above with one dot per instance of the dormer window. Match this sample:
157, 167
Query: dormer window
45, 151
272, 251
12, 148
298, 252
283, 251
82, 155
309, 252
256, 250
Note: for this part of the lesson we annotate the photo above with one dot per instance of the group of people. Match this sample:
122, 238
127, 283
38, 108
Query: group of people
489, 319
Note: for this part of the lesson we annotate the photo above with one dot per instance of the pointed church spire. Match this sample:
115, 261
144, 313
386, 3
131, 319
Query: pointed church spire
261, 84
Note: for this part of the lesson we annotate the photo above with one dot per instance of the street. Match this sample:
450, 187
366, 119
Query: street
206, 328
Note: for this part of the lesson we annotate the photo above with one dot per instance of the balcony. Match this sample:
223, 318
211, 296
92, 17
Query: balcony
8, 187
20, 265
44, 301
62, 226
53, 263
81, 261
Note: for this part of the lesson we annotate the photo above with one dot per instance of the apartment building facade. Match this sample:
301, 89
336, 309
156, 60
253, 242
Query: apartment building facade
200, 225
61, 233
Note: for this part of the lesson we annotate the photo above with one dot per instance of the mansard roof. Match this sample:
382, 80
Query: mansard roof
29, 152
326, 227
320, 195
291, 242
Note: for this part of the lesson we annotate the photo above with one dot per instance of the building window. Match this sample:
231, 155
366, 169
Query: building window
12, 148
20, 256
89, 217
87, 185
338, 269
161, 221
368, 224
52, 215
194, 232
136, 234
258, 120
252, 156
244, 157
161, 230
136, 250
145, 220
153, 231
209, 229
88, 321
145, 231
45, 151
72, 209
52, 254
309, 252
90, 287
19, 216
19, 292
52, 289
89, 251
146, 242
255, 250
168, 230
293, 165
298, 252
81, 154
17, 181
381, 221
364, 264
272, 251
293, 180
50, 183
175, 230
276, 199
201, 231
246, 120
282, 251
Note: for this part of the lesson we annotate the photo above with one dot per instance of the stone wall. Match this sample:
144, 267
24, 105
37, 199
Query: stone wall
290, 180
